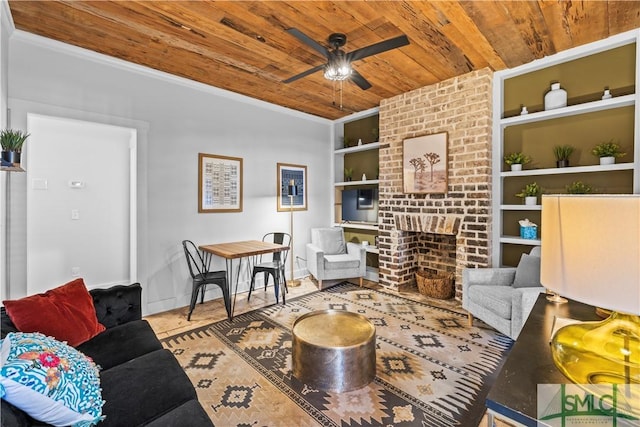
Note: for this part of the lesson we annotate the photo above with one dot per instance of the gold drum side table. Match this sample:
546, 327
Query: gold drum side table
334, 350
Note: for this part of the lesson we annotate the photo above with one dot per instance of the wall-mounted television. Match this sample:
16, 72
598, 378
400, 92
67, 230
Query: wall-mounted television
360, 205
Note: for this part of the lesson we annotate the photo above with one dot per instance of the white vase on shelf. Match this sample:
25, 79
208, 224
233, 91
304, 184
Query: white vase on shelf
555, 98
606, 94
610, 160
531, 200
516, 167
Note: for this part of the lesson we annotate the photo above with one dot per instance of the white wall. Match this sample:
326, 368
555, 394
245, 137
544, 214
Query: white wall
96, 214
6, 25
175, 119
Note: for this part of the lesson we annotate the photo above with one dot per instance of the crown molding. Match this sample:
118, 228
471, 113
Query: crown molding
5, 13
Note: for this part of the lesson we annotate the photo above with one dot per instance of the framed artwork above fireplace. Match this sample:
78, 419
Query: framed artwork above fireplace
424, 164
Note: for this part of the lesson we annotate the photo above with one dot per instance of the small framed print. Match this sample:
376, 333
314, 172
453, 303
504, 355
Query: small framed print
219, 183
296, 175
424, 164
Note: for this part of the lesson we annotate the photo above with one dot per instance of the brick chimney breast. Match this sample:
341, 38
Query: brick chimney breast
441, 232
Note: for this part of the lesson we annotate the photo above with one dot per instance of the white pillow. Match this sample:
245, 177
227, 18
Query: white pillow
50, 380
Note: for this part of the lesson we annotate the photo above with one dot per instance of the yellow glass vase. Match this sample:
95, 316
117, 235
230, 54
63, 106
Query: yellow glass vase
605, 352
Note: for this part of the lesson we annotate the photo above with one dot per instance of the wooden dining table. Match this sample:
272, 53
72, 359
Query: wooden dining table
243, 250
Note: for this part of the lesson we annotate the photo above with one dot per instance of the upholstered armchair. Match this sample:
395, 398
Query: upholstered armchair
329, 257
503, 297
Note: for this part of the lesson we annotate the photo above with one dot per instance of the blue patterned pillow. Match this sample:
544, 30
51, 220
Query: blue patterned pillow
50, 380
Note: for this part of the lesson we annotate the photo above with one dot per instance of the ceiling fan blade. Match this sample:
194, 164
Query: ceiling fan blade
377, 48
309, 41
304, 74
357, 78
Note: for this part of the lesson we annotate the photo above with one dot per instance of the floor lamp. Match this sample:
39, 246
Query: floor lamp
293, 191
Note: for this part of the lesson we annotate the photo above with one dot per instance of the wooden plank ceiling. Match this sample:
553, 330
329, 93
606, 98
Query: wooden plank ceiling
242, 46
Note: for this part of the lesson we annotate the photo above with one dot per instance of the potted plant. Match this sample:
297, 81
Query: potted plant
608, 152
578, 187
530, 193
562, 153
11, 141
348, 174
516, 160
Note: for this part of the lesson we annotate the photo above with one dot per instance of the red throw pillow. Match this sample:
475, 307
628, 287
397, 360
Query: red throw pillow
65, 313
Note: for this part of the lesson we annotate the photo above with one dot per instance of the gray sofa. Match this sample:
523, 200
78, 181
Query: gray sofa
503, 297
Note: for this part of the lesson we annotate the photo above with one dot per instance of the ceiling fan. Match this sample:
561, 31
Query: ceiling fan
338, 66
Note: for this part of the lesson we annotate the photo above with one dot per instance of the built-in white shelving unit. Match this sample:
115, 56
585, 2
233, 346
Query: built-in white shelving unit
358, 225
358, 148
586, 121
357, 183
366, 150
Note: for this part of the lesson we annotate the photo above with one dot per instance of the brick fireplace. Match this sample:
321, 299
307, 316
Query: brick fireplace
437, 232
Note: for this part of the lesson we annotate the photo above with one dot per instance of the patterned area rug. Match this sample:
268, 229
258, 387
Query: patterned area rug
432, 369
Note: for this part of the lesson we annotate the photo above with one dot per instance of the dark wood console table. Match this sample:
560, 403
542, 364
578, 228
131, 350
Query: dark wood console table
513, 395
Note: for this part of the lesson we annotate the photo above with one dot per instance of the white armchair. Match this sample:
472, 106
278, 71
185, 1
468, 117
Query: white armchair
329, 257
503, 297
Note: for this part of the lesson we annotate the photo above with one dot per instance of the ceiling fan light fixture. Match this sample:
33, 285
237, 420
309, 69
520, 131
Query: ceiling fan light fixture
338, 66
337, 69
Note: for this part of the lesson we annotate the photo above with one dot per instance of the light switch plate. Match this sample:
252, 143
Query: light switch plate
39, 184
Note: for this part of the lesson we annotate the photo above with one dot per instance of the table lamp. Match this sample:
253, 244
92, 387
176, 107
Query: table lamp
591, 254
293, 191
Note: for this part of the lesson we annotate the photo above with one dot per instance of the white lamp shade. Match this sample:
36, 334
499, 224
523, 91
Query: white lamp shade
591, 249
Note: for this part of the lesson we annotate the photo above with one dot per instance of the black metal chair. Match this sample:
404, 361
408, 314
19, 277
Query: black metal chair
201, 277
274, 267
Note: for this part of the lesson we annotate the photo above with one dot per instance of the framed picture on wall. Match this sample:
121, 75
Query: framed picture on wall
295, 175
424, 164
219, 183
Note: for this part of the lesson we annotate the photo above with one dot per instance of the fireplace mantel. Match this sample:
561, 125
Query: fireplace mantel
428, 223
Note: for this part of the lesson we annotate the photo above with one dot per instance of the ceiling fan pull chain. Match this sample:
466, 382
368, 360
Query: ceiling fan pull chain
334, 92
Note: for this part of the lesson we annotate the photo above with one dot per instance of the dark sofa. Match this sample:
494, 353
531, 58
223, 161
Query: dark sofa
142, 383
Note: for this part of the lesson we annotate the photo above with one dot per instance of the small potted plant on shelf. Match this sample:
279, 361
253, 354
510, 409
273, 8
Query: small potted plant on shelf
562, 153
348, 174
608, 152
530, 193
516, 160
578, 187
11, 142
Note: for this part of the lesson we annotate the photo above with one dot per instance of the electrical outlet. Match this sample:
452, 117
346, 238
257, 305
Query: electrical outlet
75, 271
75, 214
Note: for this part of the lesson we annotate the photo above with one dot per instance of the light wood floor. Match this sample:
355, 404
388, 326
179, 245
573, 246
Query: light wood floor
175, 321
